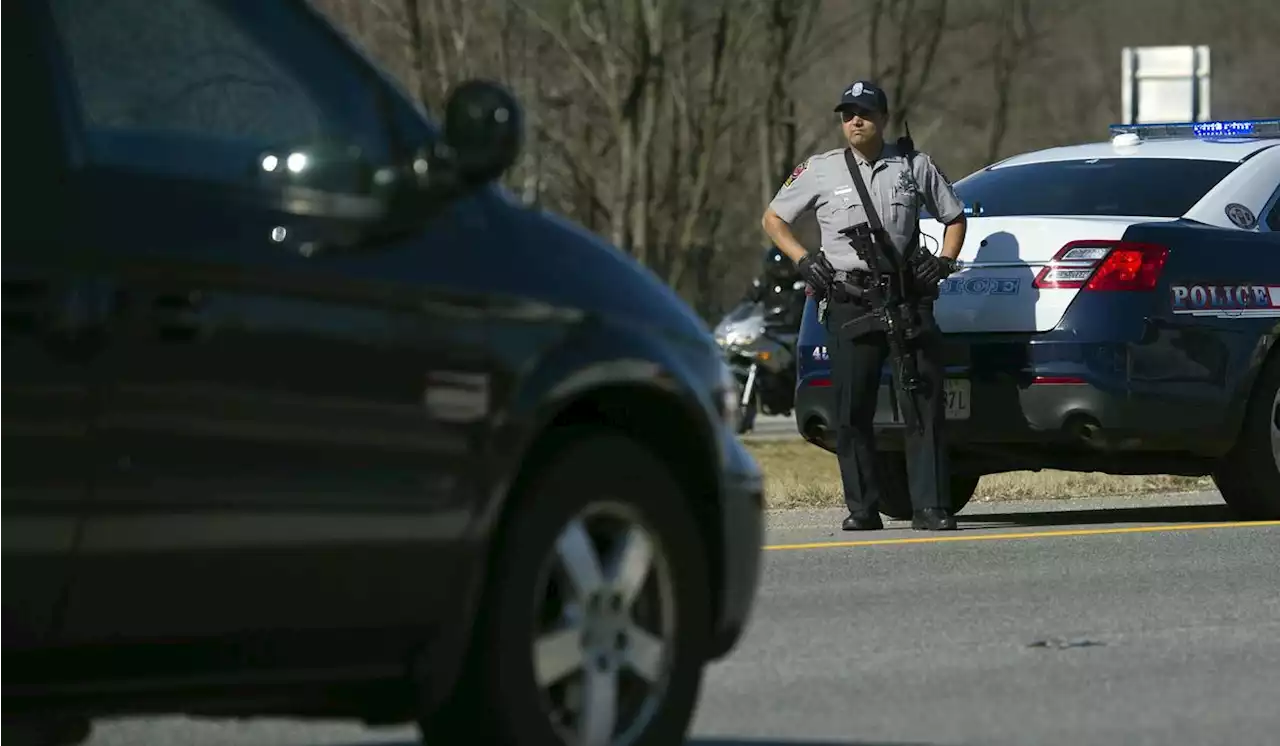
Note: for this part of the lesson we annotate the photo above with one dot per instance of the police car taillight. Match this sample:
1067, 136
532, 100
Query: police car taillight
1104, 265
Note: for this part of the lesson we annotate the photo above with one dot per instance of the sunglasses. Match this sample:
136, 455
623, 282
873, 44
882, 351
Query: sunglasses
847, 115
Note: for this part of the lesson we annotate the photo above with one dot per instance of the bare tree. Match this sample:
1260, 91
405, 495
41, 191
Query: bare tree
617, 51
789, 27
708, 117
1015, 37
665, 125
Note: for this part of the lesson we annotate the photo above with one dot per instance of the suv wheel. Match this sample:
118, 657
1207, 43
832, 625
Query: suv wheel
895, 497
1249, 476
594, 624
40, 732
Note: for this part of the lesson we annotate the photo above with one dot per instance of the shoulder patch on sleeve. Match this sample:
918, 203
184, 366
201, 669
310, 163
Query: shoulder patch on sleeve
795, 174
934, 164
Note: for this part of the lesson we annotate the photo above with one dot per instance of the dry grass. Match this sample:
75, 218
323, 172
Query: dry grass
801, 475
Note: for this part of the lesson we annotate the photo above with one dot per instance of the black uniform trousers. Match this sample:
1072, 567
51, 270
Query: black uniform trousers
855, 375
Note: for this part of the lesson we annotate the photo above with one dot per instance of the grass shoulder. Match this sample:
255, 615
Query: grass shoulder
801, 475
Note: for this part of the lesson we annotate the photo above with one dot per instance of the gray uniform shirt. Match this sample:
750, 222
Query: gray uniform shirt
822, 183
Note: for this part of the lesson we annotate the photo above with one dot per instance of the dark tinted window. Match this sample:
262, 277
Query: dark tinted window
201, 87
1273, 217
1151, 187
34, 124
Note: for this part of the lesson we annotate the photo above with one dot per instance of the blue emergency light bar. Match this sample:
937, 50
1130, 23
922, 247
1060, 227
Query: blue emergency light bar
1246, 128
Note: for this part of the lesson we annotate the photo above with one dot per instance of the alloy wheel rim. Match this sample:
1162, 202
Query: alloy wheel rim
1275, 429
604, 628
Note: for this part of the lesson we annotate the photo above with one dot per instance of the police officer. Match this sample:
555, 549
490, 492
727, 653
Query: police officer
897, 187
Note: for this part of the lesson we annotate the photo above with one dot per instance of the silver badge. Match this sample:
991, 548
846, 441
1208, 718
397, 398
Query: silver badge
856, 90
906, 185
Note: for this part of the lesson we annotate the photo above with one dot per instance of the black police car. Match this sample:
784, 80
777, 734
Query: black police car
304, 416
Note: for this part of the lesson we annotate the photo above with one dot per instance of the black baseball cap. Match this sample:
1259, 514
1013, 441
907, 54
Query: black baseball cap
865, 96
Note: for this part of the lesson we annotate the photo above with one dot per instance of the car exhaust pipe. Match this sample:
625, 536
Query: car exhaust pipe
1091, 433
818, 432
1086, 430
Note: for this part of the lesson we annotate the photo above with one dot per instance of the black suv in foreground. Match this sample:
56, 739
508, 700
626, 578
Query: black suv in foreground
303, 416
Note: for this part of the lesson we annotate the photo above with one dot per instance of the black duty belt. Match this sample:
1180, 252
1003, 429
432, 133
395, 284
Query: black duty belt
857, 278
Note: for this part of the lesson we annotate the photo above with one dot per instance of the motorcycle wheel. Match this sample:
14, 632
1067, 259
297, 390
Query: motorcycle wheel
747, 414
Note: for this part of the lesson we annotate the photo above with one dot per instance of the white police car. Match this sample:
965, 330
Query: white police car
1117, 311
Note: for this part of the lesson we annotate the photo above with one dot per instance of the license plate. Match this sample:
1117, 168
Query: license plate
955, 393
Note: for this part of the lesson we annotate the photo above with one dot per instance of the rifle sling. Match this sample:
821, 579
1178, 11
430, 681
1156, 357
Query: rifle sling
873, 215
908, 149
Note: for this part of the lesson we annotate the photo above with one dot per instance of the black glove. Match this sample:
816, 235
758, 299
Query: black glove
931, 269
817, 271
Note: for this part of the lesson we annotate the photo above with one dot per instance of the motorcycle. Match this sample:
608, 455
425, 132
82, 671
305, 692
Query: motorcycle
762, 359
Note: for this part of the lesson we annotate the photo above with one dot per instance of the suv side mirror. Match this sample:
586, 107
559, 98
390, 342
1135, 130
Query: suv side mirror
483, 129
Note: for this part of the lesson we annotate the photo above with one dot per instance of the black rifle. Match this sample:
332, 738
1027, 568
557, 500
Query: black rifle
892, 313
892, 310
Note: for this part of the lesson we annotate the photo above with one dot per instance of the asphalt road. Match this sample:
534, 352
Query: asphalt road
1104, 621
773, 428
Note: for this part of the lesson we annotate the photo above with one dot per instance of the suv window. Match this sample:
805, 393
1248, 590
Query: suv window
1273, 216
200, 88
35, 124
1147, 187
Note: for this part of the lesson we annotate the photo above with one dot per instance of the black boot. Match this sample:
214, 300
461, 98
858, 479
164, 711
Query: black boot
862, 523
933, 519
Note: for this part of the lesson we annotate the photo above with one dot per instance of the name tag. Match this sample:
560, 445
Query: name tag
843, 190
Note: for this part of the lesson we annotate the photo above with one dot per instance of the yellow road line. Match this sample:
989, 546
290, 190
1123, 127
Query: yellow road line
1023, 535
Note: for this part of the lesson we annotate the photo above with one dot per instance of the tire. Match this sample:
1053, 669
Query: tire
1249, 476
36, 732
895, 497
594, 479
747, 414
